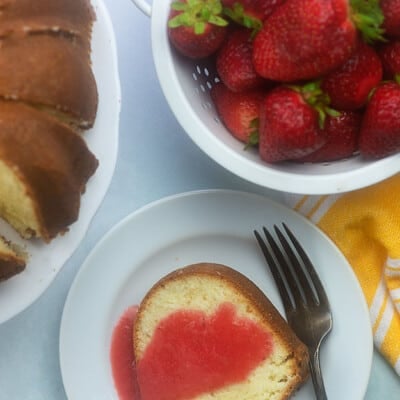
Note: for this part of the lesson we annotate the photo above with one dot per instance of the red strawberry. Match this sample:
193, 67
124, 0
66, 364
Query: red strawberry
267, 7
196, 28
380, 128
234, 62
349, 85
290, 128
342, 138
391, 12
390, 56
304, 39
239, 112
259, 8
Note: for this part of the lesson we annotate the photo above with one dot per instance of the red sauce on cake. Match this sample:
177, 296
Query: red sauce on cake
121, 354
192, 353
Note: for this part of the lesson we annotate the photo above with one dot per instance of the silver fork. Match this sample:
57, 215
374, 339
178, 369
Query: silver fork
304, 299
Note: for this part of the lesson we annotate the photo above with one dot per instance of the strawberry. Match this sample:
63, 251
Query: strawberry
342, 138
390, 56
196, 28
391, 13
304, 39
349, 85
234, 62
292, 121
380, 127
239, 112
267, 7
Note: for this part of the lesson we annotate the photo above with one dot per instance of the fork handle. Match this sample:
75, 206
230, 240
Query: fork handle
316, 375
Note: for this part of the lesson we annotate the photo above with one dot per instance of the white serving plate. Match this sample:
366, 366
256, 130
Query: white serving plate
204, 226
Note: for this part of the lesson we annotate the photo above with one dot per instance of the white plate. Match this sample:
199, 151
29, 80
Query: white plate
215, 226
45, 261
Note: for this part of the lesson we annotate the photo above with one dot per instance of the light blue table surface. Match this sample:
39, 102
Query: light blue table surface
156, 159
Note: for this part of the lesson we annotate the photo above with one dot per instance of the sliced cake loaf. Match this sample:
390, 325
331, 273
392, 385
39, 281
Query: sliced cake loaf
51, 73
12, 260
69, 17
207, 332
48, 94
44, 167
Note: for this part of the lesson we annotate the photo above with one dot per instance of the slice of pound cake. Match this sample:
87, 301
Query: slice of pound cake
207, 332
44, 168
12, 259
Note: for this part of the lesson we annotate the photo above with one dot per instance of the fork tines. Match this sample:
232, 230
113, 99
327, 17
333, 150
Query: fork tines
291, 268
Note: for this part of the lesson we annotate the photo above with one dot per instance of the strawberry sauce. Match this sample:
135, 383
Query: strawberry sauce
192, 353
121, 355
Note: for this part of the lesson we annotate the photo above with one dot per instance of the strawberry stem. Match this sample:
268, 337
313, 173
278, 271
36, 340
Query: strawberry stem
237, 14
368, 17
320, 101
253, 137
371, 93
197, 14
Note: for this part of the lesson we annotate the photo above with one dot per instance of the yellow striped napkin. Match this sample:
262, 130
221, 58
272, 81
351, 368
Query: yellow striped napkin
365, 225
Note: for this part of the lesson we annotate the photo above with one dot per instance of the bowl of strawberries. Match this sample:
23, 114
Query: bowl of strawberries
300, 96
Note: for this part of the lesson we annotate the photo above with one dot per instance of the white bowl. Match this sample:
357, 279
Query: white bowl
186, 85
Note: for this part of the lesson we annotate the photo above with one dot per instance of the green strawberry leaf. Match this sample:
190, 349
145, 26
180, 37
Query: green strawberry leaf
197, 14
321, 116
332, 112
368, 17
217, 20
175, 21
253, 138
315, 97
237, 14
178, 6
199, 27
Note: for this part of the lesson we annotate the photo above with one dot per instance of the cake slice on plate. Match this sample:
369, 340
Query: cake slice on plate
207, 332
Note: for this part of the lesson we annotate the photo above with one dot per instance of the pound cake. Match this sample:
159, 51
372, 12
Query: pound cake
48, 98
63, 84
44, 167
207, 332
69, 17
12, 259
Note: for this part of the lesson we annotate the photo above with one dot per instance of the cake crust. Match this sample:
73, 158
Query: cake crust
22, 17
50, 72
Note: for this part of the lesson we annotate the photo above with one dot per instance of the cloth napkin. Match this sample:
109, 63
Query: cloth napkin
365, 225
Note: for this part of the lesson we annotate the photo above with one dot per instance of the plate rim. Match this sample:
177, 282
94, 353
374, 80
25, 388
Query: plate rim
194, 193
